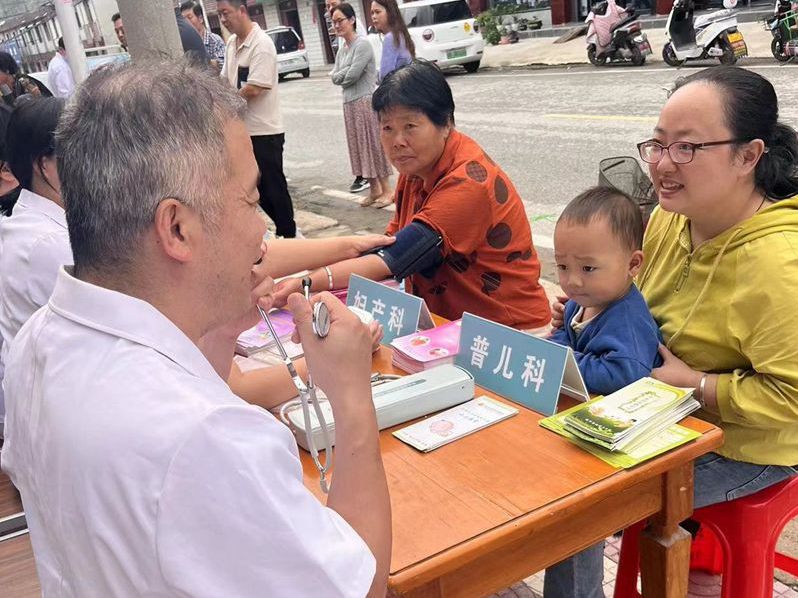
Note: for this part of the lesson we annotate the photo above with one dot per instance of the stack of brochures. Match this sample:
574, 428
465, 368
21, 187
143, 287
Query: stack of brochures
259, 338
428, 348
631, 425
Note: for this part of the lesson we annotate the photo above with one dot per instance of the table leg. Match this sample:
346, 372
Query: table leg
665, 546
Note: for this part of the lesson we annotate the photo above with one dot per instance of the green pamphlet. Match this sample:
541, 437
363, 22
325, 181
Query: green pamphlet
646, 447
630, 415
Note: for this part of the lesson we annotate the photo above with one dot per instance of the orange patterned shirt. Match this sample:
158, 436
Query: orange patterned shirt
490, 265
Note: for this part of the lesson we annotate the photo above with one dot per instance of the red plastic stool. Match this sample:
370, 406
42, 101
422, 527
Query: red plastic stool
747, 529
706, 553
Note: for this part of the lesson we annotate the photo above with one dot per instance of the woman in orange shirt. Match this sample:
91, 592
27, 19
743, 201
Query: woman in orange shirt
463, 241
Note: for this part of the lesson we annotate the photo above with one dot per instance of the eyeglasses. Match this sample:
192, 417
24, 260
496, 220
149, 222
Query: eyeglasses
338, 21
681, 152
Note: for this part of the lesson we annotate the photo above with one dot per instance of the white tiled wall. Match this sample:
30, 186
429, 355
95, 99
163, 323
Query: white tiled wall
311, 31
272, 18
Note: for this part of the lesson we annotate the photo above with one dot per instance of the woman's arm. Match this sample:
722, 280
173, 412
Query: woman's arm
266, 387
272, 386
361, 55
286, 256
372, 267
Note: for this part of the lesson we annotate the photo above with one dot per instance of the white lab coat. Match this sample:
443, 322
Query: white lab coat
143, 475
34, 244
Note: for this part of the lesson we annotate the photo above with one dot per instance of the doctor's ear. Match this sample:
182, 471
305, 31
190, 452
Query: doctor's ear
178, 229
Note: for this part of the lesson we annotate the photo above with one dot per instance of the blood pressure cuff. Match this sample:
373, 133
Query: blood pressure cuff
417, 249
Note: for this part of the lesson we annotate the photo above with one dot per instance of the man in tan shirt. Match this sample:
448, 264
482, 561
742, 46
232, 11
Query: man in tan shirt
250, 65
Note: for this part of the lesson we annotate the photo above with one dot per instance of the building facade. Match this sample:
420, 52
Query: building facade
32, 37
12, 8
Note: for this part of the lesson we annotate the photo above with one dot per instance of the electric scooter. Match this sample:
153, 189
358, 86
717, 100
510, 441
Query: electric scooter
783, 26
709, 36
614, 34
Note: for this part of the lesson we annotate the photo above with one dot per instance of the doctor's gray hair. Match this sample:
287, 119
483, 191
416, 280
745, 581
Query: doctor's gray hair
132, 136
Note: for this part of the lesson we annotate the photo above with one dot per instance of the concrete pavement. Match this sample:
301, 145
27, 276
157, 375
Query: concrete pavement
543, 51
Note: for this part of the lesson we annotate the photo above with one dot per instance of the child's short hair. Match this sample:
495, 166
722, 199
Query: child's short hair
620, 210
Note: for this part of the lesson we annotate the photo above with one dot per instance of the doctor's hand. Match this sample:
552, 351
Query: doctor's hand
340, 363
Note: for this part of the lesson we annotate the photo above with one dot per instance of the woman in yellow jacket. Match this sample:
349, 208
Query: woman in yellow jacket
722, 270
721, 278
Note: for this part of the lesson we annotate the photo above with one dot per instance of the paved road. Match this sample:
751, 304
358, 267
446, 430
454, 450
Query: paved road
547, 128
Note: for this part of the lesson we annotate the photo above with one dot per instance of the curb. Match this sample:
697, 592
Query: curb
542, 66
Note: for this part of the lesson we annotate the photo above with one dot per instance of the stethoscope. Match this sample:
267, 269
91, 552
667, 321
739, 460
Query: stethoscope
307, 392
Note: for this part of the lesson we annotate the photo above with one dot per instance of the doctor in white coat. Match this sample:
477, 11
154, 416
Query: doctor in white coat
141, 473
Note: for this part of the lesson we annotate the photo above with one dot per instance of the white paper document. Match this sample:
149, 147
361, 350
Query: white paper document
454, 423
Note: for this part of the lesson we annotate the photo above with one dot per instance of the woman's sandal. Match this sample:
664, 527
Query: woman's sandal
383, 201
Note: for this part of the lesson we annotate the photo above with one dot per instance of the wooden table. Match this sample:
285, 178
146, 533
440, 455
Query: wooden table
478, 515
17, 569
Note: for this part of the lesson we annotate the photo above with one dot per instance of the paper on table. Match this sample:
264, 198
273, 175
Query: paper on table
454, 423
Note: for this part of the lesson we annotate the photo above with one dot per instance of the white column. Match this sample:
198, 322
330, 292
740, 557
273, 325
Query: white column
75, 55
151, 28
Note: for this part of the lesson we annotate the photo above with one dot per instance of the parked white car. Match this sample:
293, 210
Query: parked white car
291, 54
444, 32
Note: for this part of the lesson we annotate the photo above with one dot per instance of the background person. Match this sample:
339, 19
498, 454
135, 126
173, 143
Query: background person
14, 85
463, 241
34, 242
119, 29
398, 48
250, 66
59, 73
214, 44
355, 72
359, 184
9, 186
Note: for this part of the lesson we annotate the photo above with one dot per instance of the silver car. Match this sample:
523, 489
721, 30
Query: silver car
291, 54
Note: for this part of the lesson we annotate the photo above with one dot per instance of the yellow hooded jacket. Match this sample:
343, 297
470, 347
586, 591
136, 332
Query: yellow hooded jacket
727, 307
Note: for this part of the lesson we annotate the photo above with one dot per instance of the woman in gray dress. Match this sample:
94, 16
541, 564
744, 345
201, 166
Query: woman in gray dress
356, 72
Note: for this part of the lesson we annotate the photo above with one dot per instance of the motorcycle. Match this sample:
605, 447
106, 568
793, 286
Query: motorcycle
714, 35
614, 34
783, 25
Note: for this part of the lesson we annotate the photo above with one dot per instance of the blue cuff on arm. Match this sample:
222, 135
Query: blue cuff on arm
417, 249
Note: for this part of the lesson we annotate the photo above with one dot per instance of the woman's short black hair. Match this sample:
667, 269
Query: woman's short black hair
347, 11
31, 135
8, 200
8, 64
751, 111
419, 86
